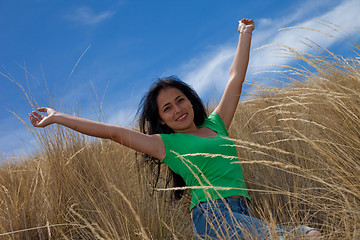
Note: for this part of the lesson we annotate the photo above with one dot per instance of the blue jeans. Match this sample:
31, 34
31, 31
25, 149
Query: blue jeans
229, 218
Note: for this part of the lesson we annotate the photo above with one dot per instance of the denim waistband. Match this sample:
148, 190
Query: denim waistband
231, 201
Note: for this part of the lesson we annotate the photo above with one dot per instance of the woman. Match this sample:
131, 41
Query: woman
176, 130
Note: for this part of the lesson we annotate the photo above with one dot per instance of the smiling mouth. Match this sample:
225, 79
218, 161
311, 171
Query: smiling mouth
182, 117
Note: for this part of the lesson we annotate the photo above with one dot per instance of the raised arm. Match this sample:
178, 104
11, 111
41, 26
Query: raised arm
151, 145
229, 101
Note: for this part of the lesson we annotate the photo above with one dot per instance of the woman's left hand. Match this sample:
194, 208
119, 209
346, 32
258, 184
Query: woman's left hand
246, 25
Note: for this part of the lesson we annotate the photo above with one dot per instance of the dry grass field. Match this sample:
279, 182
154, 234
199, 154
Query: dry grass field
299, 146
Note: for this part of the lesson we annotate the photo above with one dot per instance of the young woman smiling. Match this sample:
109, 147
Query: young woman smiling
175, 129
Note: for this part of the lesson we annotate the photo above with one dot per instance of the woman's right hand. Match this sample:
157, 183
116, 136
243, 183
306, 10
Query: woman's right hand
39, 120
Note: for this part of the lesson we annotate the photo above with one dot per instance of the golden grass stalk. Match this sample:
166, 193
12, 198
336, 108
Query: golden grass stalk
299, 147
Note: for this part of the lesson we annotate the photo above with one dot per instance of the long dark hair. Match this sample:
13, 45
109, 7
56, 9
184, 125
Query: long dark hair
151, 123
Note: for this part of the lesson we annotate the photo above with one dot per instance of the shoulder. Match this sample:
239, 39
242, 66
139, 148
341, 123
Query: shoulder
175, 143
174, 139
215, 122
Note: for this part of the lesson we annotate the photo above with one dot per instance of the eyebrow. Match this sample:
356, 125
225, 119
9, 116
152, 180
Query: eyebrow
169, 102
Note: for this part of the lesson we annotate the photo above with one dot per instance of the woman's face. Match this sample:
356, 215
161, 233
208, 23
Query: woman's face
176, 110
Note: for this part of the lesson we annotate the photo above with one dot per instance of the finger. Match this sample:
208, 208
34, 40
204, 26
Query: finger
38, 115
42, 109
247, 21
33, 120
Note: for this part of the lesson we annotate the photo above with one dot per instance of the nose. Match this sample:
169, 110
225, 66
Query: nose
177, 108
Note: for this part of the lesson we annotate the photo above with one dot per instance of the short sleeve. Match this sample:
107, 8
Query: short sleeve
215, 122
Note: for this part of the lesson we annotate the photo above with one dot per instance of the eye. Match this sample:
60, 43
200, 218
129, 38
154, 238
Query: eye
180, 100
166, 109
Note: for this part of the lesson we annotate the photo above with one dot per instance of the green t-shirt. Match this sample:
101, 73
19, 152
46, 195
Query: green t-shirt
209, 163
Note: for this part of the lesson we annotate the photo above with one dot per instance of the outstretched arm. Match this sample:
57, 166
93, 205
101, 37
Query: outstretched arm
229, 101
151, 145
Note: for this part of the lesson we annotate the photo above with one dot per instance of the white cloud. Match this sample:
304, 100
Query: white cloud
211, 69
17, 142
87, 16
322, 24
124, 117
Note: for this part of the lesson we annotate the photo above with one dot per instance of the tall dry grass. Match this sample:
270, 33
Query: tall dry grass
299, 147
76, 189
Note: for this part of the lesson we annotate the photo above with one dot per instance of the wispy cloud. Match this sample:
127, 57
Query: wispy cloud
125, 117
328, 28
211, 69
87, 16
16, 142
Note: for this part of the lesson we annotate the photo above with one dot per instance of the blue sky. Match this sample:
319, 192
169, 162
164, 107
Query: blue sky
84, 53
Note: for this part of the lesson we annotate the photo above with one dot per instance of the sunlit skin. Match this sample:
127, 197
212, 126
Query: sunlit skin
176, 111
